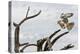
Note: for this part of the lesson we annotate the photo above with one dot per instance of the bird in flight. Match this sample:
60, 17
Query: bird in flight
64, 22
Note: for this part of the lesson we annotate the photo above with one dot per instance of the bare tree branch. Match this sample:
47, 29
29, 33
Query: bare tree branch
24, 44
26, 18
59, 37
16, 39
34, 15
40, 44
56, 40
51, 37
41, 41
17, 30
54, 34
67, 47
27, 12
27, 46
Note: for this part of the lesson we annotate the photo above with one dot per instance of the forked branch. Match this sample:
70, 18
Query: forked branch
54, 40
26, 18
51, 37
17, 30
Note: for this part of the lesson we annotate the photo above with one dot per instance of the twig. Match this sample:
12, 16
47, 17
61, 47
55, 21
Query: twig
24, 44
26, 18
27, 46
54, 33
67, 47
59, 37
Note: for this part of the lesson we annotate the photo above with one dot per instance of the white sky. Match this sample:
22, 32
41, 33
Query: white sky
44, 24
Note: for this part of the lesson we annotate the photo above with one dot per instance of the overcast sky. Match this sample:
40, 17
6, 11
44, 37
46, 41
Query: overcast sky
44, 24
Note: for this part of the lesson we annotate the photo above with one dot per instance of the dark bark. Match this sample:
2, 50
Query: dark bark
27, 46
51, 37
17, 30
56, 40
24, 44
40, 44
67, 47
30, 17
16, 38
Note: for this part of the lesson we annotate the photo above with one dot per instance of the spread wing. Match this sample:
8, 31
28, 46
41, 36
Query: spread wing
66, 15
70, 25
